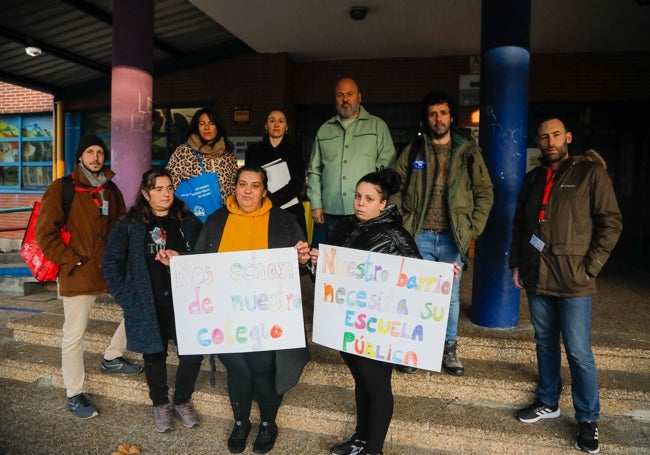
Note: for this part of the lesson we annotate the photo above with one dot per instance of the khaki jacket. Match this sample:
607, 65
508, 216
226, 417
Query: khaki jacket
469, 191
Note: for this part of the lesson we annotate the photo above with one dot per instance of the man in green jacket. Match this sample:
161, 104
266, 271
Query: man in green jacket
96, 206
566, 224
445, 200
348, 146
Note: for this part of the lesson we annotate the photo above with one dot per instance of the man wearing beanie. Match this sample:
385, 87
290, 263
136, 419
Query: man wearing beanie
97, 204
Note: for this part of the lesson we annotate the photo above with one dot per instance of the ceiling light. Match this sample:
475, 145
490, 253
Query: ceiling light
33, 51
357, 13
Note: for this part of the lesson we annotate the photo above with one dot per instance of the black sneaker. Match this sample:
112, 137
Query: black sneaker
537, 411
588, 437
81, 406
120, 365
406, 369
265, 439
237, 439
363, 452
352, 446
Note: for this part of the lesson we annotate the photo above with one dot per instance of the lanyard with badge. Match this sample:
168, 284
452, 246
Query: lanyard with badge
103, 204
535, 241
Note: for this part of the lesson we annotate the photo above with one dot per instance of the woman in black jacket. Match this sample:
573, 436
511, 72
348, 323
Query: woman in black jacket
375, 226
274, 146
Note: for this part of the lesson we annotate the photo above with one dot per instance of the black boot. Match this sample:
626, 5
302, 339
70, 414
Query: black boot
237, 439
266, 437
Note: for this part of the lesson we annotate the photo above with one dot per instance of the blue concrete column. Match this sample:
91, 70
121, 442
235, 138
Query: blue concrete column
505, 62
131, 93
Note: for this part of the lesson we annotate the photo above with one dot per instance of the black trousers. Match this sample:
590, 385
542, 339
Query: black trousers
155, 370
155, 365
374, 399
252, 375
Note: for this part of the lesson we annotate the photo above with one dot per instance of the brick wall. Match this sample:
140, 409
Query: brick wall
14, 100
15, 219
263, 81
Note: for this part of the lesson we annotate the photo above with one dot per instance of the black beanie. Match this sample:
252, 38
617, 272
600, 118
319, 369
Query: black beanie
88, 140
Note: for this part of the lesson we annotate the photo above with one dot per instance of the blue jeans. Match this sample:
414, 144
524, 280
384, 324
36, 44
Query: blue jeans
570, 317
434, 246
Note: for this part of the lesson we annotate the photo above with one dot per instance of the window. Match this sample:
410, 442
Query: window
25, 152
168, 130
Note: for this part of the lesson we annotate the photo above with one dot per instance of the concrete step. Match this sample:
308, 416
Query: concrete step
15, 276
515, 347
419, 423
486, 381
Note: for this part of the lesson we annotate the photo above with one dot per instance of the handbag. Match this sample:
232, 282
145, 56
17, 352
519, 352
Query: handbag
202, 193
41, 267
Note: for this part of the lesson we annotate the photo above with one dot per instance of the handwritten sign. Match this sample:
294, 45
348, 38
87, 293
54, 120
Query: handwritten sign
237, 302
381, 306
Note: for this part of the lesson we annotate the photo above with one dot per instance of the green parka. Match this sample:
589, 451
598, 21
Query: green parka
469, 190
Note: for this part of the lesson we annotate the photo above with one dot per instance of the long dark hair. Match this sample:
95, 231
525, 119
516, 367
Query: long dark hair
387, 182
141, 210
214, 118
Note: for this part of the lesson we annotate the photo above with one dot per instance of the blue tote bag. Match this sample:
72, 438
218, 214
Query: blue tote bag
202, 193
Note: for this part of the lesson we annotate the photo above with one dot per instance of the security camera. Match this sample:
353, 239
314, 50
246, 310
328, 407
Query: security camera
357, 13
33, 51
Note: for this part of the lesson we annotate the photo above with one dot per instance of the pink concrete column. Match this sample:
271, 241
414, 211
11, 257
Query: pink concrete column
131, 93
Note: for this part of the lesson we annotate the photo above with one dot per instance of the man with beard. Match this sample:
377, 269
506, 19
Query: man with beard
445, 200
566, 223
95, 208
348, 146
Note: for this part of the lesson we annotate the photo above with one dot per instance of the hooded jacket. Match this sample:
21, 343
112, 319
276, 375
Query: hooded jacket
581, 227
283, 231
89, 230
382, 234
469, 190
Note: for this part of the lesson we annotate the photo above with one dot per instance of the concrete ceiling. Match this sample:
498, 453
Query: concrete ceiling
76, 35
322, 30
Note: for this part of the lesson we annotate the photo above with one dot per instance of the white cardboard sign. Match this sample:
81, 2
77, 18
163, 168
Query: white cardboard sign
381, 306
241, 301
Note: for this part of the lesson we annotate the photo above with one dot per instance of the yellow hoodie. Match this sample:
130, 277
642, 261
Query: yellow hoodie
246, 231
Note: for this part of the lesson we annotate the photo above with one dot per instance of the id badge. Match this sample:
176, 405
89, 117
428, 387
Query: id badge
537, 243
105, 208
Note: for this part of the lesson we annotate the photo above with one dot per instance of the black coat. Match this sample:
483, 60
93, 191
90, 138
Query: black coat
383, 234
263, 152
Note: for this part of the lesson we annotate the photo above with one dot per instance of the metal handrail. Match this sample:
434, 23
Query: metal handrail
17, 209
14, 210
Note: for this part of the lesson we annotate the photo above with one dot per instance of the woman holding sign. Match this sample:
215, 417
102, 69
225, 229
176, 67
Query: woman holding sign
249, 221
136, 267
284, 165
375, 226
